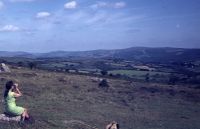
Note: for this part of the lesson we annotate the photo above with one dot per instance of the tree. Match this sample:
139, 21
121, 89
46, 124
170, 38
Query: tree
147, 77
67, 70
32, 65
172, 79
20, 63
103, 83
104, 72
110, 74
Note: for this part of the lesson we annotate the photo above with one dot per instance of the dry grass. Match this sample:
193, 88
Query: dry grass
58, 100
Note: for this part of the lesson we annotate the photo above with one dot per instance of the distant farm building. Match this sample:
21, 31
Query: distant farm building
143, 68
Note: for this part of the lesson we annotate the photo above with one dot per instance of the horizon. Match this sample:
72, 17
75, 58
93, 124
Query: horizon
99, 49
40, 26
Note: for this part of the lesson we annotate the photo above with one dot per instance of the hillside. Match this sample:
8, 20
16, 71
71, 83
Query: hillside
60, 100
144, 54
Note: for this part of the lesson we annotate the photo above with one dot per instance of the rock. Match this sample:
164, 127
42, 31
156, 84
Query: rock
4, 68
96, 79
4, 117
113, 125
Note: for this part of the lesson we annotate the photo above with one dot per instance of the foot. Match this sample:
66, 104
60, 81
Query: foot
29, 120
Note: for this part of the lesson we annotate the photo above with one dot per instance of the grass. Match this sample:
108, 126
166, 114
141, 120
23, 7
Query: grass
58, 100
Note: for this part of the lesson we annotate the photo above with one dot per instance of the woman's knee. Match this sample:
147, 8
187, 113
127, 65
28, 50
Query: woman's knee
23, 114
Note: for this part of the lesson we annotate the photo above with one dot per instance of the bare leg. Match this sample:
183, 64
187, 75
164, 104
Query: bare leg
25, 114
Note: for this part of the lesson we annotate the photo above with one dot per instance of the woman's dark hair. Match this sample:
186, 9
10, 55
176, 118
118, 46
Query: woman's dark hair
8, 86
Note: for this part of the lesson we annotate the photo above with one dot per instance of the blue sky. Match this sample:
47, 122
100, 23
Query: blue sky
71, 25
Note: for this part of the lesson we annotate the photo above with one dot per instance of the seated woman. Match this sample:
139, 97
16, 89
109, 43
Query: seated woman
10, 94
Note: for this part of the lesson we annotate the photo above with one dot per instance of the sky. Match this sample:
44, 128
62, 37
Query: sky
79, 25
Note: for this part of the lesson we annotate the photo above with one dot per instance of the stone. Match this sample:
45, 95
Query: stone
4, 117
4, 68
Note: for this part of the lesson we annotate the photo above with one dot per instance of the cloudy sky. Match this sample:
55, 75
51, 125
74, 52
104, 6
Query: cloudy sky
48, 25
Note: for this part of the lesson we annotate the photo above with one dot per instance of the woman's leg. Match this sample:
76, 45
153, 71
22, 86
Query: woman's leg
25, 114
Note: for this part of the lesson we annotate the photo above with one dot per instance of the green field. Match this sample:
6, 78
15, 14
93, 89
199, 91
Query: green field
139, 74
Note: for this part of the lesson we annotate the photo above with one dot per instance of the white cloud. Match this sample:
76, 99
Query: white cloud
43, 14
71, 5
108, 5
9, 28
1, 4
102, 4
99, 4
21, 0
119, 5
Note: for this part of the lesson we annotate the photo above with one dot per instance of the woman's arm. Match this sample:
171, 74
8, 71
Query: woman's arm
17, 92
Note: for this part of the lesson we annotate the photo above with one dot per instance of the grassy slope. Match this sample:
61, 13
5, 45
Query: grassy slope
58, 100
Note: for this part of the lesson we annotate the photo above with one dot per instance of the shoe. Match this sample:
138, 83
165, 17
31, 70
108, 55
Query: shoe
30, 120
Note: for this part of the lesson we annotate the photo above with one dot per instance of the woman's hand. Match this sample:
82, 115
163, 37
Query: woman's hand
16, 85
17, 93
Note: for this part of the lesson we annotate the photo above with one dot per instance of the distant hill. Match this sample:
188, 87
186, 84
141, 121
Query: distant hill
158, 54
145, 54
15, 54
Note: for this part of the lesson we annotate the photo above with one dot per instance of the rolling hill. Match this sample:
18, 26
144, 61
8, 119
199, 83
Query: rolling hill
135, 53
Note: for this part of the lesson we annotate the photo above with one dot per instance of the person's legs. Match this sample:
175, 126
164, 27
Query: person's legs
25, 114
